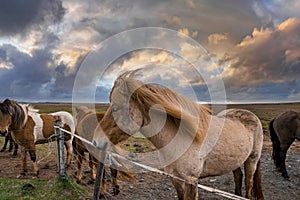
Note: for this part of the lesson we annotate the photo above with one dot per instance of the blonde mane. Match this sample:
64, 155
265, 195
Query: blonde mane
195, 117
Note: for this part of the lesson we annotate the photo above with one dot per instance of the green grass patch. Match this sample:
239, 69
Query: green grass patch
55, 107
11, 189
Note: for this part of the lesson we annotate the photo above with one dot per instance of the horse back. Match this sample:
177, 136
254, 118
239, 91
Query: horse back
287, 126
248, 119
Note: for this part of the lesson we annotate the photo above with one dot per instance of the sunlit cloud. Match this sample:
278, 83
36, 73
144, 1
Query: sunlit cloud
216, 38
251, 44
277, 60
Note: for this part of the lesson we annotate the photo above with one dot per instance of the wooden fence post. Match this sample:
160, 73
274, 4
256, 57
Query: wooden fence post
100, 174
60, 148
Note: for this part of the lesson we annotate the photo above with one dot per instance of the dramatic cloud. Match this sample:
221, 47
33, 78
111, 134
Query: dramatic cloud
268, 55
43, 42
19, 16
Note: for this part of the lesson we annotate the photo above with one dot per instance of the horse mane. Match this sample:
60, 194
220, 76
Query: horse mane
16, 112
30, 108
182, 109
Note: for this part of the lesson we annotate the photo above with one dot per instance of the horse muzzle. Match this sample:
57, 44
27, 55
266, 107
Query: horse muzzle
3, 133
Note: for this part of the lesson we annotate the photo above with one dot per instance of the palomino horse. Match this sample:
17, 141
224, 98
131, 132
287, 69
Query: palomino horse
284, 129
29, 128
86, 122
164, 116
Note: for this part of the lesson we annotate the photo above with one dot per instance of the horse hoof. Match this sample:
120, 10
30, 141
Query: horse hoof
36, 174
78, 181
116, 190
23, 173
101, 196
285, 176
14, 155
91, 181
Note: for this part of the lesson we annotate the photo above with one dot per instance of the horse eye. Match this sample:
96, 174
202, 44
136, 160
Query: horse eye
114, 109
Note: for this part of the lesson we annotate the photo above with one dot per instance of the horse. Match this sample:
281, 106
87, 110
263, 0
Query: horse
284, 130
203, 147
12, 144
86, 121
29, 128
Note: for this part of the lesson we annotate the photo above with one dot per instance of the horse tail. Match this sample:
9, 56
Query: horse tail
257, 186
275, 142
125, 175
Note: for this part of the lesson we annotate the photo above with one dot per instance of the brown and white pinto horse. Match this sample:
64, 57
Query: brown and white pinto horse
29, 128
191, 143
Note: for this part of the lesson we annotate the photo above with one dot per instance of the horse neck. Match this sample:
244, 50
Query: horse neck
162, 128
160, 131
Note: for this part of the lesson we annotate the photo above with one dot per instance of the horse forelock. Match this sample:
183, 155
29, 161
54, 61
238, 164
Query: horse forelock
16, 112
175, 105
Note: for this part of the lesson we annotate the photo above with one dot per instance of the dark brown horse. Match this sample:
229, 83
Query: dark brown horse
284, 129
12, 143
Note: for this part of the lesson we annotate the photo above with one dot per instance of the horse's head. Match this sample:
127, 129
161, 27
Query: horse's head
5, 117
122, 119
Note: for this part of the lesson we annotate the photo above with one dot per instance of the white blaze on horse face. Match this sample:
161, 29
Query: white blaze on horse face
38, 127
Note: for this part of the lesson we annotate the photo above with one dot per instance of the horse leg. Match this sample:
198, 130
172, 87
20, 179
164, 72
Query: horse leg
238, 179
15, 153
24, 158
250, 167
80, 157
116, 187
179, 186
33, 159
5, 144
92, 164
282, 159
282, 156
257, 186
103, 185
69, 148
190, 191
11, 142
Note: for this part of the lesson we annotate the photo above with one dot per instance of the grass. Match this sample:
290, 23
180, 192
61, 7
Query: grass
12, 189
54, 107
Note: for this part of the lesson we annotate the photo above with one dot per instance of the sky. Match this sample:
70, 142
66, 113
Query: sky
250, 49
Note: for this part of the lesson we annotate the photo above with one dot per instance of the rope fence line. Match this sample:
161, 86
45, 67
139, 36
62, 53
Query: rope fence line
151, 169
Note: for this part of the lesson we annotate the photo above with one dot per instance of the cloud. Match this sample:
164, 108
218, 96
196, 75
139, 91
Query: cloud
267, 55
43, 42
19, 16
216, 38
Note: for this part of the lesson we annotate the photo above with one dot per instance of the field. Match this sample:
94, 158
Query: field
146, 185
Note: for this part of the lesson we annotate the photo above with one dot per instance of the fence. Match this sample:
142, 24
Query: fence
61, 169
151, 185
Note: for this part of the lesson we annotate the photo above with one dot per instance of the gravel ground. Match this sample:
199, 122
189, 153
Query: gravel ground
155, 186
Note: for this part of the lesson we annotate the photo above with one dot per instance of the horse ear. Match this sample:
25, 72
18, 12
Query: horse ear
7, 103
